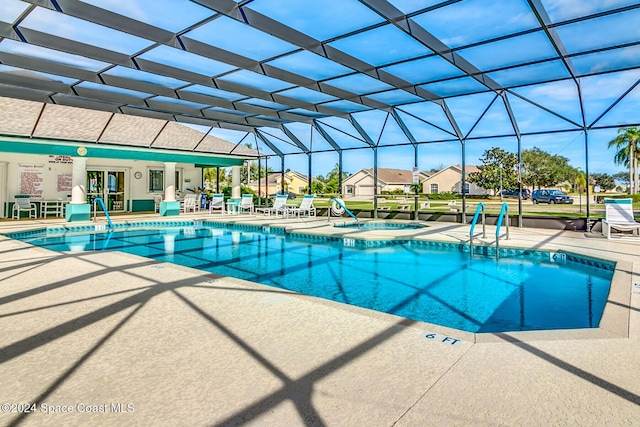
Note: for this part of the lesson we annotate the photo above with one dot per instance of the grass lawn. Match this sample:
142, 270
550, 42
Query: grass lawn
492, 206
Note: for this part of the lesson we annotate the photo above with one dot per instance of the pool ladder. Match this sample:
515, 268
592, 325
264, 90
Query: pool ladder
104, 209
480, 212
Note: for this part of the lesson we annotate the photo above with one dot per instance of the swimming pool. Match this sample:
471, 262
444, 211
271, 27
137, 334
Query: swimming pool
427, 281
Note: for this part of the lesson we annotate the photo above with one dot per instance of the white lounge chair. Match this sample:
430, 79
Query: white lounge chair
216, 202
23, 204
306, 207
246, 204
157, 199
279, 206
189, 204
619, 216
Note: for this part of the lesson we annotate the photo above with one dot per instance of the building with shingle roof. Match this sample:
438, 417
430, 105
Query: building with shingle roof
449, 180
124, 158
361, 183
294, 182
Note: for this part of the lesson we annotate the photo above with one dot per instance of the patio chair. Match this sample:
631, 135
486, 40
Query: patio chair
279, 206
246, 204
306, 207
23, 204
216, 202
189, 203
157, 199
619, 216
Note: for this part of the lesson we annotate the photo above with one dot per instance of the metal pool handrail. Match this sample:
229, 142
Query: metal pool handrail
341, 204
479, 209
504, 212
95, 201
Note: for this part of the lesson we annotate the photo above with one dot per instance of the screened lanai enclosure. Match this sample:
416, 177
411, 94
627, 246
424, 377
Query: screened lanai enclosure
392, 82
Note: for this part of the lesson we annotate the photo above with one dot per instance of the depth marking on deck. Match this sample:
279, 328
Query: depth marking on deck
443, 339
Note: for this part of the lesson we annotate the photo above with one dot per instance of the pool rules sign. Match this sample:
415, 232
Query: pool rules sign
31, 179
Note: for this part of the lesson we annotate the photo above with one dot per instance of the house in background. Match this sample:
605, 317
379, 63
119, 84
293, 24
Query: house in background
361, 182
272, 183
449, 180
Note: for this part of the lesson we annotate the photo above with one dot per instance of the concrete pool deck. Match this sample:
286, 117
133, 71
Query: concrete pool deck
115, 339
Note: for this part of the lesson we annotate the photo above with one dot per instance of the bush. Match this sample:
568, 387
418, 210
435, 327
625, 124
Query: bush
243, 190
397, 191
634, 197
443, 196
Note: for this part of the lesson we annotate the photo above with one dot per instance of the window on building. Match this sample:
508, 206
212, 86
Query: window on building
156, 180
434, 189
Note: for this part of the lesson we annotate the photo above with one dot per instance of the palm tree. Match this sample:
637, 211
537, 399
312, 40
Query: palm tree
628, 145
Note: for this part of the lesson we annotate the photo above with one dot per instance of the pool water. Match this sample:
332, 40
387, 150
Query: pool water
435, 283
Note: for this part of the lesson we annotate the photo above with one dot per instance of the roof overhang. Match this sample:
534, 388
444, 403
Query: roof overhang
76, 149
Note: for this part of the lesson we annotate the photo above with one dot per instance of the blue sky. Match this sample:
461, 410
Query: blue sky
537, 107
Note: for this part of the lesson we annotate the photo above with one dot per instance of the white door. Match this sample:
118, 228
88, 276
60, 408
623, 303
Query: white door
107, 184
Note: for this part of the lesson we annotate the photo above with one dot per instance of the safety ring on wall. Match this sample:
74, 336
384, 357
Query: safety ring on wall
336, 207
137, 175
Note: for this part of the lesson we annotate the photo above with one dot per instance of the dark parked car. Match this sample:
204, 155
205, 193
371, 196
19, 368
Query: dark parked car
550, 196
526, 193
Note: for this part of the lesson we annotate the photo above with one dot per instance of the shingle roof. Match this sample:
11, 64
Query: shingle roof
394, 176
35, 119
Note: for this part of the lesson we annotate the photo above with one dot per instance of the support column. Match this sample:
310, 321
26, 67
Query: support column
259, 182
282, 174
4, 199
415, 183
586, 171
266, 179
375, 182
309, 176
235, 182
169, 206
78, 209
340, 193
464, 182
519, 182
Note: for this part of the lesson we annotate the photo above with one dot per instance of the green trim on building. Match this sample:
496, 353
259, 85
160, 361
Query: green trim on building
103, 151
143, 205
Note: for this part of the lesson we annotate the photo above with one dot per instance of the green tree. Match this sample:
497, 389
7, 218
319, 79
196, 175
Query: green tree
254, 173
604, 180
627, 144
332, 182
437, 168
580, 181
498, 167
622, 178
541, 169
317, 185
212, 180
